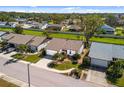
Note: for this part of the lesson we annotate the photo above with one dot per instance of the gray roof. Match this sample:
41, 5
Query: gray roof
8, 36
37, 41
2, 33
106, 51
58, 44
54, 25
107, 28
18, 38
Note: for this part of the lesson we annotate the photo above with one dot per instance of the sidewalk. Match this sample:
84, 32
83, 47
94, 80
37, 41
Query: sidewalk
13, 80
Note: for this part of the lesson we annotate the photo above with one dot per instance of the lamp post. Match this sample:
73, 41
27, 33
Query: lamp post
28, 69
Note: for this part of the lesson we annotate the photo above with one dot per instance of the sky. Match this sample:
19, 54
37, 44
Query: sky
64, 9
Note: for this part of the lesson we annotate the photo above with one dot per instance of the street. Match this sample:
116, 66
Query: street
40, 77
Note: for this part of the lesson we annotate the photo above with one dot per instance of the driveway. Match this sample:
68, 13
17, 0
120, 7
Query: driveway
40, 77
97, 75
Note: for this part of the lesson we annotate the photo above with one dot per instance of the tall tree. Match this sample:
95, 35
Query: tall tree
90, 24
18, 30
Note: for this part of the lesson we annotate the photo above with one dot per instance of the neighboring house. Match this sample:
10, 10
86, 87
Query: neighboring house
26, 26
102, 54
2, 24
38, 43
108, 29
63, 45
35, 43
54, 27
74, 28
2, 34
13, 24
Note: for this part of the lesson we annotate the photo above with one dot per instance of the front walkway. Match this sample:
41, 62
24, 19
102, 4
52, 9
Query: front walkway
43, 63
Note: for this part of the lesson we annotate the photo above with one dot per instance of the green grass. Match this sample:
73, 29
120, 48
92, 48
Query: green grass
65, 66
108, 40
120, 82
30, 58
71, 36
4, 83
119, 31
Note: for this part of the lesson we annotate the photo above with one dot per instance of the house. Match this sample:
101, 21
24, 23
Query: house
71, 47
15, 40
35, 43
108, 29
1, 34
3, 24
38, 43
73, 28
54, 27
102, 54
13, 24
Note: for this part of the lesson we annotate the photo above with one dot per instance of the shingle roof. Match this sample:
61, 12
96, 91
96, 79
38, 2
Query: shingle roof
19, 39
106, 51
57, 44
8, 36
37, 41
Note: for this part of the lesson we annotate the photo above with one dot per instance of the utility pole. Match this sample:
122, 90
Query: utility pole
28, 74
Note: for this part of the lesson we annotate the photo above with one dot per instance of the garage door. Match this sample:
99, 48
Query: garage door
51, 52
98, 62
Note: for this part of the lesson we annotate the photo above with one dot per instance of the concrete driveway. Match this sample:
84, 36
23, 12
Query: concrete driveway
97, 75
40, 77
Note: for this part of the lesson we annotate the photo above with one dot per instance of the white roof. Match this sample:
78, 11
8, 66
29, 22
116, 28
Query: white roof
106, 51
107, 28
2, 33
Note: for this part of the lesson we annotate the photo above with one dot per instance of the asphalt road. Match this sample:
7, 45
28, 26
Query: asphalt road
40, 77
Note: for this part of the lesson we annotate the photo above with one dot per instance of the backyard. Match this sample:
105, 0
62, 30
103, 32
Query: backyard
119, 31
30, 58
70, 36
4, 83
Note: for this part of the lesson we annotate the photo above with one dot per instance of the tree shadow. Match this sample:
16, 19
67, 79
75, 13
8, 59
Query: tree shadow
10, 61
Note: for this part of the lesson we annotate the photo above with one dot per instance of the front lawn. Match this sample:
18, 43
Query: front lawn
4, 83
64, 66
30, 58
120, 82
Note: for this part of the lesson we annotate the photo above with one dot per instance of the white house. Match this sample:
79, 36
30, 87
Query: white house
2, 24
102, 54
1, 34
63, 45
108, 29
35, 43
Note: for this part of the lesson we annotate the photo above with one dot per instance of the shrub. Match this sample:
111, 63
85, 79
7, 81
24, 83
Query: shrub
85, 63
59, 56
76, 56
115, 71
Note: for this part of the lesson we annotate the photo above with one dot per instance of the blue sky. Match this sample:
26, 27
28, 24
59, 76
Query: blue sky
64, 9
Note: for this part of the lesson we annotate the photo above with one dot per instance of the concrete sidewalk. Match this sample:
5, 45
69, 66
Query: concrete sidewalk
13, 80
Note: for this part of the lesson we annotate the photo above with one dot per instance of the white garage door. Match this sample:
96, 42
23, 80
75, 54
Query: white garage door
98, 62
51, 52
